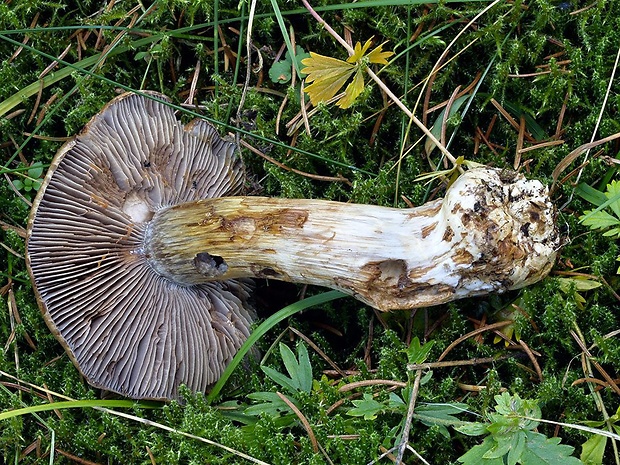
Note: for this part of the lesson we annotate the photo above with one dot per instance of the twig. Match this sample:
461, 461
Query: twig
497, 325
318, 350
248, 70
318, 177
303, 419
599, 368
405, 436
458, 363
371, 382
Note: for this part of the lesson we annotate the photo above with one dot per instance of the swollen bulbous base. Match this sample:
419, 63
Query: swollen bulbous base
494, 231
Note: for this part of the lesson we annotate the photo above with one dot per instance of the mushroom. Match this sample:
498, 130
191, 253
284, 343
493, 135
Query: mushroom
139, 249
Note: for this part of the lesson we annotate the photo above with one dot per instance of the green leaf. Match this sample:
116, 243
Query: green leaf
396, 402
418, 353
613, 192
300, 371
432, 414
517, 447
440, 415
93, 403
263, 328
304, 372
590, 194
512, 441
476, 455
36, 170
532, 126
429, 145
472, 428
290, 363
300, 55
270, 404
367, 408
593, 449
599, 219
540, 450
580, 284
280, 72
283, 380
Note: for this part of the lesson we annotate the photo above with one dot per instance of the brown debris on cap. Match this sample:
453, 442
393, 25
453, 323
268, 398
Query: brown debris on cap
128, 329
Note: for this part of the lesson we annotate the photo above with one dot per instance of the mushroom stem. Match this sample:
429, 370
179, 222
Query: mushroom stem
494, 231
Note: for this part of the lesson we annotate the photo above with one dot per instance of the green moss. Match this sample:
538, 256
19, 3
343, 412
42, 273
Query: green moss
511, 39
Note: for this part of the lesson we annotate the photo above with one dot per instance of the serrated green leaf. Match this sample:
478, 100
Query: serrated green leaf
366, 407
540, 450
599, 219
613, 192
612, 196
593, 449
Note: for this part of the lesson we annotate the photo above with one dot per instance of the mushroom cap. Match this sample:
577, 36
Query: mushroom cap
126, 328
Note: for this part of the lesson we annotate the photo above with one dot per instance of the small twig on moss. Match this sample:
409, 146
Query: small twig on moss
497, 325
304, 421
317, 177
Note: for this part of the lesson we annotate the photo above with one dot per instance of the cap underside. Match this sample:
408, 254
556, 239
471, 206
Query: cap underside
128, 329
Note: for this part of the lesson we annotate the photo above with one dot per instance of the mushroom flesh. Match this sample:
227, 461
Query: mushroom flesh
139, 247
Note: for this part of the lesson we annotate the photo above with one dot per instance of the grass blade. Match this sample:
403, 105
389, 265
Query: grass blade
266, 326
